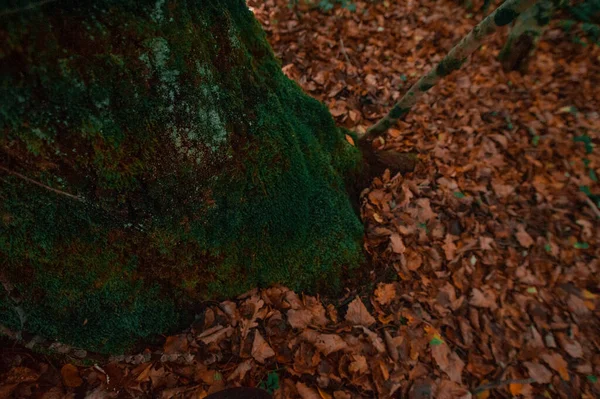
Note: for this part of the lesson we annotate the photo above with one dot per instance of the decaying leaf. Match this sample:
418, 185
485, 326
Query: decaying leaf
483, 299
176, 344
358, 314
556, 362
523, 237
70, 376
538, 372
448, 361
306, 392
397, 244
385, 293
261, 350
240, 371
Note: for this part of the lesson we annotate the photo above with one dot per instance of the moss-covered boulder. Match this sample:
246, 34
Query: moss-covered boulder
152, 155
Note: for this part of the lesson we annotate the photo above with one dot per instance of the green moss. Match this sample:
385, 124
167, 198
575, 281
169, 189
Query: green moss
425, 86
449, 65
398, 111
205, 171
505, 16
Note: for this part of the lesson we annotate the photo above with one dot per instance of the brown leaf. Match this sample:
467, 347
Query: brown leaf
483, 299
144, 372
176, 344
305, 392
325, 343
391, 346
18, 375
341, 395
397, 244
375, 339
424, 213
449, 247
358, 314
70, 376
448, 361
502, 190
557, 362
385, 293
538, 372
572, 347
261, 350
577, 305
240, 371
414, 260
299, 319
358, 365
523, 237
216, 334
451, 390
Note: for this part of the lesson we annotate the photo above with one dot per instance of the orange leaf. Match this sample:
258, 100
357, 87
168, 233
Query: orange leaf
70, 376
385, 293
323, 394
516, 389
559, 364
349, 139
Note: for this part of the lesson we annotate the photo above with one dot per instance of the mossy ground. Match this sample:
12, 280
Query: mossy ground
203, 170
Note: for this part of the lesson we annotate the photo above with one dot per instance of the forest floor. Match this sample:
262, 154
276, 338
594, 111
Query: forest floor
486, 257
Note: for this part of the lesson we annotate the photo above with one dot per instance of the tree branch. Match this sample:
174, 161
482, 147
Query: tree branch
503, 15
54, 190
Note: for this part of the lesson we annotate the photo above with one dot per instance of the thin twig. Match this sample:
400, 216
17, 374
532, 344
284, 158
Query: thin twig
37, 183
28, 7
593, 206
344, 51
498, 384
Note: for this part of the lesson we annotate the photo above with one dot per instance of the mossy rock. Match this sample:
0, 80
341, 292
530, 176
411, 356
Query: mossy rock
154, 155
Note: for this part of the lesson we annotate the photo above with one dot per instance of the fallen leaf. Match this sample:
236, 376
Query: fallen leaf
385, 293
483, 299
515, 389
215, 335
325, 343
358, 314
240, 371
448, 361
523, 237
572, 347
358, 365
538, 372
176, 344
376, 341
451, 390
397, 244
349, 138
449, 247
261, 350
70, 376
556, 362
323, 394
300, 318
305, 392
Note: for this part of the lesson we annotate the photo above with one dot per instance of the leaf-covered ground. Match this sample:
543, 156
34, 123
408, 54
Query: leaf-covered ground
486, 258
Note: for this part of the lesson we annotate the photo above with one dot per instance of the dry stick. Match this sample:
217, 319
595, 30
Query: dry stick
498, 384
17, 174
593, 206
503, 15
344, 51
